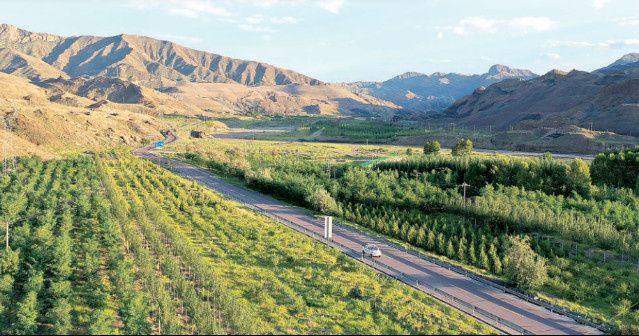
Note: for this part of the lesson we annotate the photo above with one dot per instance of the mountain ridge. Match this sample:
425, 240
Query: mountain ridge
143, 59
421, 92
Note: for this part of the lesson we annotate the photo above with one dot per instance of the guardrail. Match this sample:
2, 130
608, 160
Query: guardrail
526, 297
444, 297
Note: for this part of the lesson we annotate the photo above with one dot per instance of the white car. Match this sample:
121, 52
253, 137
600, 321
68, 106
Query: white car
372, 250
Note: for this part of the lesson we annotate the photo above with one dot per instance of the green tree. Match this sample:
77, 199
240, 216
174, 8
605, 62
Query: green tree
100, 323
322, 201
496, 265
522, 266
463, 147
409, 151
450, 250
578, 178
60, 317
472, 256
27, 315
432, 147
461, 250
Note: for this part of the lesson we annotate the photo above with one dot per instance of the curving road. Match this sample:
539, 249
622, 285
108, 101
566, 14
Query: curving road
531, 317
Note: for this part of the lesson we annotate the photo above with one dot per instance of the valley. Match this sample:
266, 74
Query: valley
148, 187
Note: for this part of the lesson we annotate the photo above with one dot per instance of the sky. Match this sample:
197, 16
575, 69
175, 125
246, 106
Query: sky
361, 40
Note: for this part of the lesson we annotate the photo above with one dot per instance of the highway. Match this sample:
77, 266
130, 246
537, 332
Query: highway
529, 316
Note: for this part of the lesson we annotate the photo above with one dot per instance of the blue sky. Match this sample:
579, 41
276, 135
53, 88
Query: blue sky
350, 40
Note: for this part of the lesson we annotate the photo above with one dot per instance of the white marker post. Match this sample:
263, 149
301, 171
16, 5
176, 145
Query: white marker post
328, 228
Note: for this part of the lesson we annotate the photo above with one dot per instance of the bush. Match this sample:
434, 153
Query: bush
432, 147
463, 147
322, 201
523, 267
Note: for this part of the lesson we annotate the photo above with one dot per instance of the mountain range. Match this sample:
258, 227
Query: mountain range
436, 92
109, 64
124, 74
606, 99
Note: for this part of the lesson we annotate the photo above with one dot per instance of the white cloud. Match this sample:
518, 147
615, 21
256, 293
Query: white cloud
573, 44
480, 24
285, 19
475, 24
529, 23
332, 6
255, 29
600, 3
183, 12
255, 19
440, 35
628, 21
170, 37
552, 56
187, 8
615, 44
608, 44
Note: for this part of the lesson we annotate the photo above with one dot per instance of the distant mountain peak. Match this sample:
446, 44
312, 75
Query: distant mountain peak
499, 68
406, 75
12, 33
628, 58
619, 64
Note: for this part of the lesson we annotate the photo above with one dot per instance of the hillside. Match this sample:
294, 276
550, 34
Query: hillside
278, 99
16, 63
170, 78
610, 102
417, 91
45, 127
144, 59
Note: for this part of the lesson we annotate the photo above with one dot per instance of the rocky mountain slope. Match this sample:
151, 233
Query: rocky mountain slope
605, 100
144, 59
435, 92
117, 68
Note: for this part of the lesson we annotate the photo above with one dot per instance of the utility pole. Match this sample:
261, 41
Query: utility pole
464, 185
8, 149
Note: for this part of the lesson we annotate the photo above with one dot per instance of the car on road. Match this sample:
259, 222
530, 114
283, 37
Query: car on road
371, 250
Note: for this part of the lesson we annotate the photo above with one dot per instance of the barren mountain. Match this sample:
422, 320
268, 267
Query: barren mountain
144, 59
625, 62
16, 63
279, 99
413, 90
608, 102
45, 127
117, 69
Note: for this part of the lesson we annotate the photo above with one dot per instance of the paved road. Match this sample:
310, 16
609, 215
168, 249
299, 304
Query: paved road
526, 315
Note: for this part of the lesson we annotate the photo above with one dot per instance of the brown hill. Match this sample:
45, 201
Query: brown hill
16, 63
46, 128
609, 102
278, 99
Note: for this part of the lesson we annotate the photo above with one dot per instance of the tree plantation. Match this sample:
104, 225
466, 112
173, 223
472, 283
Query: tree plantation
521, 218
114, 244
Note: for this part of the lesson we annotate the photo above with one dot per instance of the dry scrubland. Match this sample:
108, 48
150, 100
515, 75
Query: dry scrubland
46, 128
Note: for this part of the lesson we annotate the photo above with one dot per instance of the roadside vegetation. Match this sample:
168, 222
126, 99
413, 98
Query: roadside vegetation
280, 281
578, 228
116, 245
